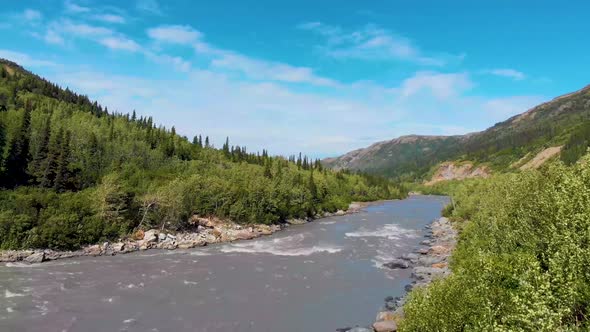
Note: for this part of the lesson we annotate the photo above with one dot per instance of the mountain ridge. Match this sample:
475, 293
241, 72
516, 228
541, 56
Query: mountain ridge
552, 123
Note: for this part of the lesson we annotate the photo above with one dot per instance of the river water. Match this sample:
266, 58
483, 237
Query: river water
315, 277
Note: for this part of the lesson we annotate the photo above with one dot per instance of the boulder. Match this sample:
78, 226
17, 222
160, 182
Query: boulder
14, 255
245, 235
162, 237
37, 257
385, 315
385, 326
94, 250
397, 264
150, 236
118, 247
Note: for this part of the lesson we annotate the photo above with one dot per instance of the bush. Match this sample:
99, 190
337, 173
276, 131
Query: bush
523, 259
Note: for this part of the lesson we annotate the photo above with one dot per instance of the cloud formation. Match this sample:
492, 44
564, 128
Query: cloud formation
371, 43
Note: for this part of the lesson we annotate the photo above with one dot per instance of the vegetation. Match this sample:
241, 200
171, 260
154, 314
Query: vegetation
73, 173
562, 121
523, 258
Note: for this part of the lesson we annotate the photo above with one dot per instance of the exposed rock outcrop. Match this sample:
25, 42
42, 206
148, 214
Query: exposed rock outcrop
458, 171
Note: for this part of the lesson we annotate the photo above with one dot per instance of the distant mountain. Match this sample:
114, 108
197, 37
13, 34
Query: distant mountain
563, 121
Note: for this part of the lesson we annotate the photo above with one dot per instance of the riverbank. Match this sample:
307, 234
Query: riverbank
206, 231
428, 263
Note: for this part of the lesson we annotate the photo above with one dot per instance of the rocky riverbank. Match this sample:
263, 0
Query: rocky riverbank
205, 231
427, 263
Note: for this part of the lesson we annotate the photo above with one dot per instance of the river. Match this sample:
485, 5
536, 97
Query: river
314, 277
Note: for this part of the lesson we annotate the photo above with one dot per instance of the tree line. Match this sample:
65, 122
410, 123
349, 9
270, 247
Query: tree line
73, 172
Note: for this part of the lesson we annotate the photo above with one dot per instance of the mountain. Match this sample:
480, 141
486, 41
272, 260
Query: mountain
74, 173
563, 121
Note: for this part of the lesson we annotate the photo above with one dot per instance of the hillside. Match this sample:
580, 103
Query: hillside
74, 173
562, 121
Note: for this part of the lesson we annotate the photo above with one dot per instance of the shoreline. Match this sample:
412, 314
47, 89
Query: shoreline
428, 263
207, 231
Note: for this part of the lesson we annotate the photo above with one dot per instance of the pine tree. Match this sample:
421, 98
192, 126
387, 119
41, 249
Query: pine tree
134, 116
226, 147
207, 142
2, 143
313, 189
49, 166
267, 170
18, 156
36, 165
63, 160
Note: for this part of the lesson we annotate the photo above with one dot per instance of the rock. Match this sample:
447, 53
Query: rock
422, 251
94, 250
440, 265
410, 257
440, 250
170, 236
14, 255
162, 237
340, 213
216, 232
245, 235
296, 221
150, 236
169, 245
408, 287
426, 242
37, 257
118, 247
397, 264
187, 244
385, 326
385, 315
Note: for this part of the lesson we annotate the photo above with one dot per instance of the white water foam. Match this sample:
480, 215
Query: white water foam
286, 246
389, 231
8, 294
187, 282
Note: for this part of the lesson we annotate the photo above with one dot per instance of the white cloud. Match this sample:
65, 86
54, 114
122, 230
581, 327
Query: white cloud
32, 15
507, 72
268, 70
151, 6
372, 43
225, 60
175, 34
52, 37
120, 43
441, 86
83, 29
109, 18
72, 7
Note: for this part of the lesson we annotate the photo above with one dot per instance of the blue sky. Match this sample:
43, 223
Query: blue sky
322, 77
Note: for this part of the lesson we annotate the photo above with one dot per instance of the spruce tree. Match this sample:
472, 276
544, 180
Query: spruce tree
49, 166
63, 160
18, 156
38, 158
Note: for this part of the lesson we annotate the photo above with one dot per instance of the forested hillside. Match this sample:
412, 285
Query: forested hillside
75, 173
562, 121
